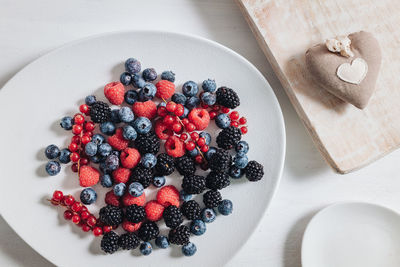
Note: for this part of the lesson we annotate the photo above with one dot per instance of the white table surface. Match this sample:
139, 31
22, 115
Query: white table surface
29, 29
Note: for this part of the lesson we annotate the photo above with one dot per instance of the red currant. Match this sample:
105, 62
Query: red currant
84, 161
195, 136
203, 105
190, 127
183, 137
89, 126
199, 159
216, 108
74, 167
86, 228
91, 221
76, 219
73, 147
88, 133
58, 195
54, 202
243, 129
204, 148
171, 106
68, 200
74, 157
185, 121
85, 139
180, 110
225, 110
76, 139
107, 229
177, 127
234, 115
77, 129
83, 209
234, 124
162, 111
79, 119
168, 120
213, 114
190, 145
97, 231
242, 120
68, 214
84, 214
84, 109
201, 142
77, 206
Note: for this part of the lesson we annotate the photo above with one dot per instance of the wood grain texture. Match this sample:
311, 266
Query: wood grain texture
347, 137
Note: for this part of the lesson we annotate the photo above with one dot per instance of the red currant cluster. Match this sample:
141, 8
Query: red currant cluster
236, 120
170, 114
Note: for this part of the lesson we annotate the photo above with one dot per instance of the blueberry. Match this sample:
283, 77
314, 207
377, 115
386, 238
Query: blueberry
91, 149
185, 113
159, 181
88, 196
115, 116
136, 189
98, 139
206, 137
149, 74
90, 100
208, 215
126, 114
190, 88
142, 125
208, 98
189, 249
209, 86
138, 81
193, 153
184, 196
53, 168
179, 98
192, 102
132, 65
240, 160
210, 152
242, 147
223, 121
162, 241
146, 248
107, 128
168, 75
225, 207
52, 152
131, 97
66, 123
104, 149
125, 78
119, 189
148, 92
106, 181
129, 133
65, 156
235, 172
97, 159
115, 153
148, 160
112, 162
104, 168
197, 227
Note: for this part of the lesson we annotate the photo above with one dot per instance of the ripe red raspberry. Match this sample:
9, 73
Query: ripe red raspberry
112, 199
121, 175
131, 227
115, 93
130, 157
168, 195
162, 130
200, 118
117, 141
128, 199
154, 211
146, 109
174, 147
165, 89
88, 176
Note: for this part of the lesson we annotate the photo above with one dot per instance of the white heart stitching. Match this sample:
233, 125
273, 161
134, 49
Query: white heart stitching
353, 73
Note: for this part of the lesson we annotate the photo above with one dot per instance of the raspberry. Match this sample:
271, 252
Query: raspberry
174, 147
168, 195
128, 199
154, 211
115, 92
162, 130
131, 227
88, 176
130, 157
165, 89
200, 118
112, 199
117, 141
146, 109
121, 175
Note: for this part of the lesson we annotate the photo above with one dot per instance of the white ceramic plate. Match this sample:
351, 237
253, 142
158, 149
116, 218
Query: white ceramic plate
32, 103
352, 234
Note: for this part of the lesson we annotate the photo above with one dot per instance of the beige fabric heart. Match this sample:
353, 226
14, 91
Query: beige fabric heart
348, 84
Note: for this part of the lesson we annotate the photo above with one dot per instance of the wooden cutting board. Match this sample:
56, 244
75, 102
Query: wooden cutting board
347, 137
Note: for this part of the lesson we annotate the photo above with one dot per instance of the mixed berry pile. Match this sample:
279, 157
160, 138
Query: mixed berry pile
123, 154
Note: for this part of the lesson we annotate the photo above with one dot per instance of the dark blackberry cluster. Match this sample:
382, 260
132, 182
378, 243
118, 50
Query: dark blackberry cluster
135, 213
100, 112
111, 215
179, 235
220, 161
227, 97
229, 137
185, 165
147, 143
217, 180
110, 242
165, 164
193, 184
142, 175
172, 216
148, 231
191, 209
254, 171
129, 241
212, 198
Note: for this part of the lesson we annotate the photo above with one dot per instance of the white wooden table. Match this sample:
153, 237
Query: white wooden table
28, 29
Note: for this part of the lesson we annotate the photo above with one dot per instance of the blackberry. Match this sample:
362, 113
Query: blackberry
135, 213
111, 215
172, 216
147, 143
142, 175
165, 164
229, 137
179, 235
193, 184
100, 112
254, 171
185, 165
148, 231
220, 161
227, 97
212, 198
110, 242
191, 210
217, 180
129, 241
